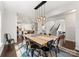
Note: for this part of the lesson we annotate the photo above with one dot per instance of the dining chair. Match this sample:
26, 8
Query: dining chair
45, 51
44, 33
28, 46
52, 47
27, 43
50, 34
35, 50
8, 38
61, 37
32, 47
54, 44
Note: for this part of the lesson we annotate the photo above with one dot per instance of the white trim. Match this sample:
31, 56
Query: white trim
1, 49
77, 48
72, 52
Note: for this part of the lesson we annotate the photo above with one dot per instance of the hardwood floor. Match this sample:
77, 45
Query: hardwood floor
9, 51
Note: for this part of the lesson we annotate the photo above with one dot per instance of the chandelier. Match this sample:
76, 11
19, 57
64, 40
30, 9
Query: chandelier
40, 12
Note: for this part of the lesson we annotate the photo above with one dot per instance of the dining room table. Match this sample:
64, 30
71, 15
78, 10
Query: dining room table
41, 39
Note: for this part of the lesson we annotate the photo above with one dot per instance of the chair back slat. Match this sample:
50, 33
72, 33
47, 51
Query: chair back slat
7, 36
56, 42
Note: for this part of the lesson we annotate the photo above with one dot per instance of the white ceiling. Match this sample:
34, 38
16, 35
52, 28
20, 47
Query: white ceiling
26, 8
22, 7
54, 5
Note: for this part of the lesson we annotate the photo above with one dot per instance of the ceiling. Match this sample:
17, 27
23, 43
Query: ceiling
23, 7
26, 8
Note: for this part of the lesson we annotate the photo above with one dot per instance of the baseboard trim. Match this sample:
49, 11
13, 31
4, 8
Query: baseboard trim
72, 52
1, 50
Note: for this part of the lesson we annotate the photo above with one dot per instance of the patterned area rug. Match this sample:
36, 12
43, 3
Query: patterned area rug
21, 51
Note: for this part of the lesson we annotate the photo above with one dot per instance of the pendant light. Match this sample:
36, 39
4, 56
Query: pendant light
41, 11
38, 16
44, 18
41, 14
35, 15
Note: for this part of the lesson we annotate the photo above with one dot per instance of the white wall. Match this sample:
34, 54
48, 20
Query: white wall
9, 24
0, 35
67, 8
70, 26
70, 22
0, 30
25, 26
2, 11
77, 30
47, 25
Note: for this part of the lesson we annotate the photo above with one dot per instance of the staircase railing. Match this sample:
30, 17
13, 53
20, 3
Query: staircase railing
52, 28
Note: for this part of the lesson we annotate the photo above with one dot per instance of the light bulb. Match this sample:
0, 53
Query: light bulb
41, 17
44, 18
38, 19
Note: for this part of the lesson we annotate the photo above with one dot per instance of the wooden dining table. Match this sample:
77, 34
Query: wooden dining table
41, 39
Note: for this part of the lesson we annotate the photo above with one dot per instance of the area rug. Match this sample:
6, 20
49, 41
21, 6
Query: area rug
21, 51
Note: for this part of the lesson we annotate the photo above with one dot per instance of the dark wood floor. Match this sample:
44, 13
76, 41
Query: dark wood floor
9, 51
